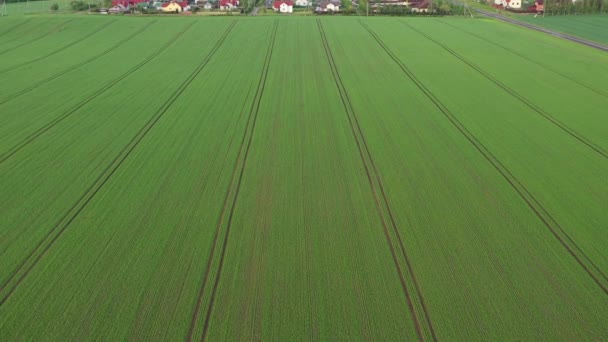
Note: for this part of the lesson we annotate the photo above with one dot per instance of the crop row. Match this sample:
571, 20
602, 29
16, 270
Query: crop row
268, 178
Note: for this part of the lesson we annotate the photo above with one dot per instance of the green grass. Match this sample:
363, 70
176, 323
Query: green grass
285, 178
592, 27
32, 7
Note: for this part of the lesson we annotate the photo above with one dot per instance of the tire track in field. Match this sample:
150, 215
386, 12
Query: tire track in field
14, 27
543, 66
62, 48
4, 157
544, 30
65, 71
36, 255
552, 225
229, 205
27, 30
53, 30
409, 284
516, 95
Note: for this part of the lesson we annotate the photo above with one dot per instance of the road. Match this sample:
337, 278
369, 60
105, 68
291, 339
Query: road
544, 30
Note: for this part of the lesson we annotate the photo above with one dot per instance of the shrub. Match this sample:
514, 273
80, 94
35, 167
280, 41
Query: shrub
79, 5
54, 7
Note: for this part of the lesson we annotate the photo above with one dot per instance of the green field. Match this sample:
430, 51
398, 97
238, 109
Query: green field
300, 178
592, 27
32, 7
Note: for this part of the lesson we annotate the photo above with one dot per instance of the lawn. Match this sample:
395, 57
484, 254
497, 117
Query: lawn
281, 178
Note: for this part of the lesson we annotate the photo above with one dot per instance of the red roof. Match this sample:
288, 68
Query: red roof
277, 4
234, 3
127, 2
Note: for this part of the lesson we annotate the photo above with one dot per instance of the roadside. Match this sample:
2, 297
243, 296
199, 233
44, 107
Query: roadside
542, 29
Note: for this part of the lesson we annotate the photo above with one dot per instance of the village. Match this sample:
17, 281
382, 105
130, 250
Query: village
276, 6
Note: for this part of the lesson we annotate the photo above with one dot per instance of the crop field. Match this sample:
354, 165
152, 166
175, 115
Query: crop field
592, 27
300, 178
32, 7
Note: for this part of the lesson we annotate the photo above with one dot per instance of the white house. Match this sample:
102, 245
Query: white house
420, 7
283, 6
327, 6
118, 9
516, 4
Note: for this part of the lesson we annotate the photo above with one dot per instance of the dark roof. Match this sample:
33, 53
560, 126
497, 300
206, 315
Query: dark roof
127, 2
324, 4
421, 4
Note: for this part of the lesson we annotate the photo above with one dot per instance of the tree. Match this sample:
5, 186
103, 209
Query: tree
363, 4
346, 5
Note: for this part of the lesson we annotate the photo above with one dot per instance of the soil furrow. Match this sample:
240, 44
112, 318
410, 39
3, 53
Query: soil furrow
14, 27
53, 30
424, 326
544, 30
514, 52
7, 289
62, 48
90, 98
229, 205
516, 95
560, 234
87, 61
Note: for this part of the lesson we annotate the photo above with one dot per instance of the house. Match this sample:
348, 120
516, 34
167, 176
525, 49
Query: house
171, 7
516, 4
204, 4
420, 7
283, 6
301, 3
382, 3
128, 3
228, 5
175, 7
119, 8
327, 7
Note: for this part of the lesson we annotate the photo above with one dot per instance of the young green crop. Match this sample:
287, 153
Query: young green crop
593, 27
300, 178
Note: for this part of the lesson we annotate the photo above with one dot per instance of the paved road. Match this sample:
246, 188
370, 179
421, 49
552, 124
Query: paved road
541, 29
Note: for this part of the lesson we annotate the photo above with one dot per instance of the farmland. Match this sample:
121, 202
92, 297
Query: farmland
31, 7
592, 27
273, 178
